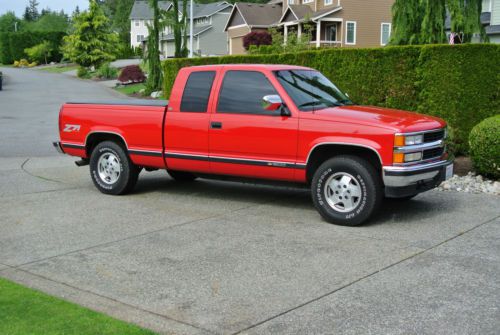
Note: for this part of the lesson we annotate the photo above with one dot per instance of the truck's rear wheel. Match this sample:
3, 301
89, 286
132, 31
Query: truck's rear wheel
182, 176
111, 169
346, 190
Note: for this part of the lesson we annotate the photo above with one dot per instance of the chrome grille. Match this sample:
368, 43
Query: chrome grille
432, 153
434, 136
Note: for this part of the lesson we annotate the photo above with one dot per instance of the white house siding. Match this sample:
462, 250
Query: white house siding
138, 30
495, 13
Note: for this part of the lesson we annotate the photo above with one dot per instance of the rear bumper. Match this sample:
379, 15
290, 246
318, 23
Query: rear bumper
409, 180
58, 147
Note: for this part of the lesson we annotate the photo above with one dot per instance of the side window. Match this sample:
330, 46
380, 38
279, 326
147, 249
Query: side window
242, 93
197, 92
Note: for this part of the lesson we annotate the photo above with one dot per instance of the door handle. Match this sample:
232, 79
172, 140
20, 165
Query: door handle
216, 125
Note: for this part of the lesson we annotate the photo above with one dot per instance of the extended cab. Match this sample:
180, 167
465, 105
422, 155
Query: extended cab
266, 122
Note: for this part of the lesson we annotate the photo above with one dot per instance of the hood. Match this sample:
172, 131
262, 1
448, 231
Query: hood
394, 119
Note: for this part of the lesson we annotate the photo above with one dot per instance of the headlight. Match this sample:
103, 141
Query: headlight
414, 139
402, 140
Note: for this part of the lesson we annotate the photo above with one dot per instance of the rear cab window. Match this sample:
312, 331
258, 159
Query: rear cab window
197, 92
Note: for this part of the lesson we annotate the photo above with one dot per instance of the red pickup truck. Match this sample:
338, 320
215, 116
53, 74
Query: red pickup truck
262, 122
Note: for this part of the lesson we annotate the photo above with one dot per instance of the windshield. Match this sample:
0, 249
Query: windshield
310, 90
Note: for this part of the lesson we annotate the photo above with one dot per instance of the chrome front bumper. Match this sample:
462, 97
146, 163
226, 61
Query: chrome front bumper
403, 181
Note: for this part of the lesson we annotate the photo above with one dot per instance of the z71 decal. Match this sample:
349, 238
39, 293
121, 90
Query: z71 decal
68, 128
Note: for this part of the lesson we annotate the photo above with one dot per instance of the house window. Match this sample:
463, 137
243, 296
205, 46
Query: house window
137, 23
307, 1
331, 32
350, 37
290, 2
385, 33
328, 2
140, 38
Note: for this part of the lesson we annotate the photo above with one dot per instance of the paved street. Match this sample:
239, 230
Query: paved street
215, 257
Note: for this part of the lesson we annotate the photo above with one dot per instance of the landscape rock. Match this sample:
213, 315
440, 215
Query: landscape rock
156, 95
471, 183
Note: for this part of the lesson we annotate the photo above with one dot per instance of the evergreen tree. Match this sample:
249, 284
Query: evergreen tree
185, 27
433, 22
176, 26
76, 12
155, 77
406, 22
31, 11
121, 20
91, 43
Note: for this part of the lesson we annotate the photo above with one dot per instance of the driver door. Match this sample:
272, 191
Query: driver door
244, 138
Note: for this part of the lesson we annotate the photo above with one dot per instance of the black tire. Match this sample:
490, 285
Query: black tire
182, 176
364, 181
128, 172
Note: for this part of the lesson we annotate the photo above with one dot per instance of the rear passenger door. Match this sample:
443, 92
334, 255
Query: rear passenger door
244, 138
187, 123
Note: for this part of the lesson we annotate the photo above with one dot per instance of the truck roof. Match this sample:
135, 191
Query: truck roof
269, 67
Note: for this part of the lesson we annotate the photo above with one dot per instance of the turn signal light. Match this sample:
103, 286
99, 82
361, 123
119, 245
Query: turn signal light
398, 157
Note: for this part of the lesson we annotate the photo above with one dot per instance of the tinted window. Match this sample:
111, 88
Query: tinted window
197, 92
310, 90
242, 93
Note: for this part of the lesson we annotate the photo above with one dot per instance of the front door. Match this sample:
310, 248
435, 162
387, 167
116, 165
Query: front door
244, 138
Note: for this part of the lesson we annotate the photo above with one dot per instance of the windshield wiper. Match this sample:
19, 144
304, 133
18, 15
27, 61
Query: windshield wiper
317, 103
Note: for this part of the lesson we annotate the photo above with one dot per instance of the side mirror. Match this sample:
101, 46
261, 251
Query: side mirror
272, 102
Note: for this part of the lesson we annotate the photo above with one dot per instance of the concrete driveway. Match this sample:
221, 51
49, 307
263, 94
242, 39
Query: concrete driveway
213, 257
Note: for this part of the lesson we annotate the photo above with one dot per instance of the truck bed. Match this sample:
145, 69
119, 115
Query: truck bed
137, 123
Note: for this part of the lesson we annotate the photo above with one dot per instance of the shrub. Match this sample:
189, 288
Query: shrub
21, 63
460, 83
107, 71
83, 72
40, 52
257, 38
484, 142
132, 74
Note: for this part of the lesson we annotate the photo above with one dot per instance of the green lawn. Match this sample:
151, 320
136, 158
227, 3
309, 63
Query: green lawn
26, 311
58, 69
130, 89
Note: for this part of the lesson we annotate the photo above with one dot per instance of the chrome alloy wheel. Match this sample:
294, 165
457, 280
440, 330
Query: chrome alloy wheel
343, 192
109, 168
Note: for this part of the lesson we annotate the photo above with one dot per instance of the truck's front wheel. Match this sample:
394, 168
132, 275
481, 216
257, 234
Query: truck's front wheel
111, 169
346, 190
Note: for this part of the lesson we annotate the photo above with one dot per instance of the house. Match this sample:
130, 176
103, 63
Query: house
209, 37
248, 17
335, 23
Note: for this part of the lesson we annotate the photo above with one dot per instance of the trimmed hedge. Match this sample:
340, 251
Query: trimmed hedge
13, 44
459, 83
484, 141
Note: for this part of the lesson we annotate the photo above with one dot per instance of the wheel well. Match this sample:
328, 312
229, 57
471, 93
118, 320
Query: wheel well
95, 138
322, 153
